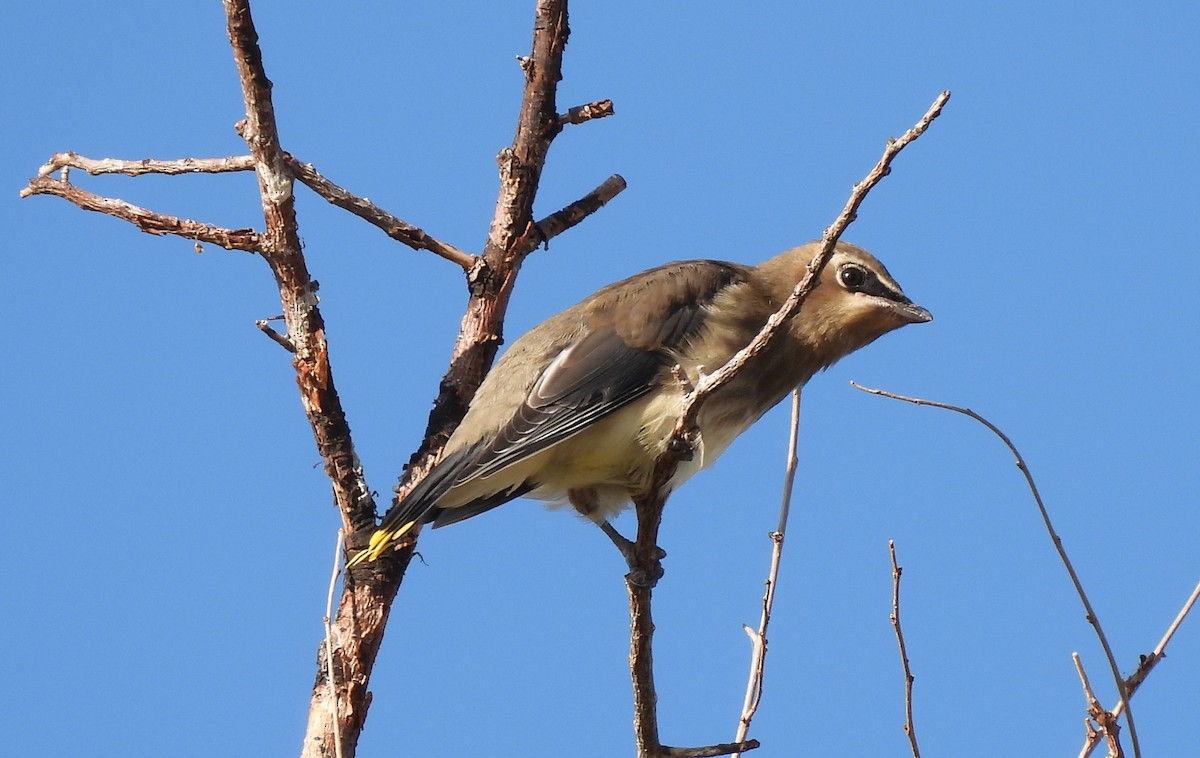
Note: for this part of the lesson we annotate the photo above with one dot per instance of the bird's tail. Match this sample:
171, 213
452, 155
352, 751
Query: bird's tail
402, 521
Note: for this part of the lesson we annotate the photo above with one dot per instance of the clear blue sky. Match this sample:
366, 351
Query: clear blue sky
167, 525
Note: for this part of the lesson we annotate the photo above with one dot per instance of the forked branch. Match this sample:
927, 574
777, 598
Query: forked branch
340, 697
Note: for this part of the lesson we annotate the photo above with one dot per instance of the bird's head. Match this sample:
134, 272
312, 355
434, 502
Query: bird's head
856, 302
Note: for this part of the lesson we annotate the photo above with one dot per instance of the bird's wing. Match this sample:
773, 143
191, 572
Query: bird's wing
617, 359
594, 377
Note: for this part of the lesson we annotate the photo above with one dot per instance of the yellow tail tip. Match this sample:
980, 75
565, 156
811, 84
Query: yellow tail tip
381, 540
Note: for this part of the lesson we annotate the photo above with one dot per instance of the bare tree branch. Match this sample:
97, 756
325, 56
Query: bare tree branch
646, 567
1092, 618
909, 727
561, 220
396, 228
512, 235
357, 634
146, 165
537, 126
641, 636
148, 221
641, 663
1150, 661
581, 113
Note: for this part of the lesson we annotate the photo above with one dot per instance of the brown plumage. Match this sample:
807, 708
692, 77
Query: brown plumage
580, 406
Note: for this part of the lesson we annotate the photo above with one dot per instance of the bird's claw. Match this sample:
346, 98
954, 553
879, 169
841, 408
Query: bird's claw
642, 576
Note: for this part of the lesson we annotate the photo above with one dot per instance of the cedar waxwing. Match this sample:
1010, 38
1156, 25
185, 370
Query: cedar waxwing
579, 408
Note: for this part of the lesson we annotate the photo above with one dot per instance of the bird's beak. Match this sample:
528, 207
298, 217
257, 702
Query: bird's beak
912, 313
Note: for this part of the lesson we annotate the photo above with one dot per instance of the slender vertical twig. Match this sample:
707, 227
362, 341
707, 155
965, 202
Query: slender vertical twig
909, 727
758, 637
330, 672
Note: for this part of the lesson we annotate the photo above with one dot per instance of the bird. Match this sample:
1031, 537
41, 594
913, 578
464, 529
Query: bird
578, 409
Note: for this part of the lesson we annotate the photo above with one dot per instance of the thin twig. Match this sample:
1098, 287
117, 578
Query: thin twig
94, 166
1150, 661
330, 673
758, 638
789, 474
909, 726
394, 227
1092, 618
148, 221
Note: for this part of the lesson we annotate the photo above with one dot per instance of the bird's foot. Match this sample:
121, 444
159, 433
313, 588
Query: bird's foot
640, 575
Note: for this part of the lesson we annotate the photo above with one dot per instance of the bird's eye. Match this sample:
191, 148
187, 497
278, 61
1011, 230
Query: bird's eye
852, 277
